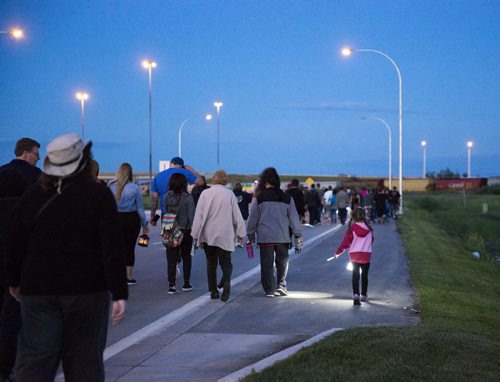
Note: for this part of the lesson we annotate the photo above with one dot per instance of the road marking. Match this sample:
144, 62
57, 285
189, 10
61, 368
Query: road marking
186, 309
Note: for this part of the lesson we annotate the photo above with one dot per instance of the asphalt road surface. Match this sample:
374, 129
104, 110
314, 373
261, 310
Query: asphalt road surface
188, 337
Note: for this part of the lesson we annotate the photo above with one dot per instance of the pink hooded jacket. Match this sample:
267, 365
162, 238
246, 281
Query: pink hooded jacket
358, 240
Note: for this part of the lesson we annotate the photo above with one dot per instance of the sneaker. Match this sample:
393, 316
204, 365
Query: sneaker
214, 295
364, 297
225, 292
131, 281
270, 295
356, 300
177, 272
187, 287
239, 245
281, 291
171, 289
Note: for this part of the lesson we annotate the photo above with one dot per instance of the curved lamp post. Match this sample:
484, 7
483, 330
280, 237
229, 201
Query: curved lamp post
150, 65
347, 52
469, 146
15, 33
218, 106
390, 145
82, 97
208, 117
424, 148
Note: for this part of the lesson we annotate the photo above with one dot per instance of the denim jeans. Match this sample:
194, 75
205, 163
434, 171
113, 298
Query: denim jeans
364, 278
69, 328
269, 255
214, 256
10, 325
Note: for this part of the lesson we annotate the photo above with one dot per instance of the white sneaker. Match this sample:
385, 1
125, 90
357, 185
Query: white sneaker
364, 298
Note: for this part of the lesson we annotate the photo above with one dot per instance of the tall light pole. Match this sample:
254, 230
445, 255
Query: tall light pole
82, 97
149, 65
424, 148
390, 145
208, 117
218, 105
15, 33
347, 52
469, 146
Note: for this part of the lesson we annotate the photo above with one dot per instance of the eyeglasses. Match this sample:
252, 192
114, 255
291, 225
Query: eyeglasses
36, 154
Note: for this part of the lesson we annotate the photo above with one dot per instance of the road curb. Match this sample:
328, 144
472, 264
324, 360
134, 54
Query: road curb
271, 360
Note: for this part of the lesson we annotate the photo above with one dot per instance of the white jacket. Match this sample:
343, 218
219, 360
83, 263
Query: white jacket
217, 218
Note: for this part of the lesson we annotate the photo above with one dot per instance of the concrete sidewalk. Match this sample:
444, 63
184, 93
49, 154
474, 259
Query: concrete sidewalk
209, 340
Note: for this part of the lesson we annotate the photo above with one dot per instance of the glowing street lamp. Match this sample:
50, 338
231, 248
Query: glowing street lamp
149, 66
469, 146
390, 145
424, 148
347, 51
218, 106
208, 117
15, 33
82, 97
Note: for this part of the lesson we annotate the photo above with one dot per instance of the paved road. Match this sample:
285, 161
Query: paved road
188, 337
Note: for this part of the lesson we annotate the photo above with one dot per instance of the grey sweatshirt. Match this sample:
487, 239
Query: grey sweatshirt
185, 216
271, 216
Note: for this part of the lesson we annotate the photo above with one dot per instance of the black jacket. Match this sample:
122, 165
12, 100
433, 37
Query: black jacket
298, 197
75, 245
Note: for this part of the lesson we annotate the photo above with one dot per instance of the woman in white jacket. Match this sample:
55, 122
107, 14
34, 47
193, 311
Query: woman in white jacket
216, 220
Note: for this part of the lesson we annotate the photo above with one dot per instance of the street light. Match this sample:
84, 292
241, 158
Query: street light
347, 52
208, 117
15, 33
82, 97
469, 146
424, 148
149, 65
218, 105
390, 145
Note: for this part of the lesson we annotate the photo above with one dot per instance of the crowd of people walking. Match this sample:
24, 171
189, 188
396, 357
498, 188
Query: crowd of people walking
68, 242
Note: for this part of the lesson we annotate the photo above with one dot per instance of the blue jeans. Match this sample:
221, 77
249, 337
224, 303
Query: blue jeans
270, 254
71, 329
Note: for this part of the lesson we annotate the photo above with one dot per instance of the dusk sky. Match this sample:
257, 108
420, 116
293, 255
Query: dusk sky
291, 100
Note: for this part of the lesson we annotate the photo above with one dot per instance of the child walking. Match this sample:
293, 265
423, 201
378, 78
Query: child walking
358, 240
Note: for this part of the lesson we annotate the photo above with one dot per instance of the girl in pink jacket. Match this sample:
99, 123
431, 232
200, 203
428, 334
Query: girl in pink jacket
358, 240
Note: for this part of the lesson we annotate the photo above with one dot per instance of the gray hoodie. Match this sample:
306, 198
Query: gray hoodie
185, 215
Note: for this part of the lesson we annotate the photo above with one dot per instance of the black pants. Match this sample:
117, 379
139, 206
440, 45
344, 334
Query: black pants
130, 224
364, 278
10, 325
313, 214
176, 255
215, 256
71, 329
342, 215
269, 255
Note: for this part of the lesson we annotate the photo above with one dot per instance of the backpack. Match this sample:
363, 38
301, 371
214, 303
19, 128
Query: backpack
171, 234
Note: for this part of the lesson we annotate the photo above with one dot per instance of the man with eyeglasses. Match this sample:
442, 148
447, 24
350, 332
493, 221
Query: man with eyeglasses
15, 177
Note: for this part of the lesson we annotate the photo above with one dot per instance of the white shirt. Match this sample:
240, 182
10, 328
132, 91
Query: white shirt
217, 218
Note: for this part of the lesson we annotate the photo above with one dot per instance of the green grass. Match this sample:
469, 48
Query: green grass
459, 334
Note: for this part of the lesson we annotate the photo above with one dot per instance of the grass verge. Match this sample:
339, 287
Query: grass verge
459, 335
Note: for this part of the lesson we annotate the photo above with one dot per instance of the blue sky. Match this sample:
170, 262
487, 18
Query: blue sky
291, 100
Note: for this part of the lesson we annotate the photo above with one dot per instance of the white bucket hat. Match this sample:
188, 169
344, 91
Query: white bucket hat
64, 155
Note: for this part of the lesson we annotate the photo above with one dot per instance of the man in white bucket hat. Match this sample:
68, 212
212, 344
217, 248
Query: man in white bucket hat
64, 261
